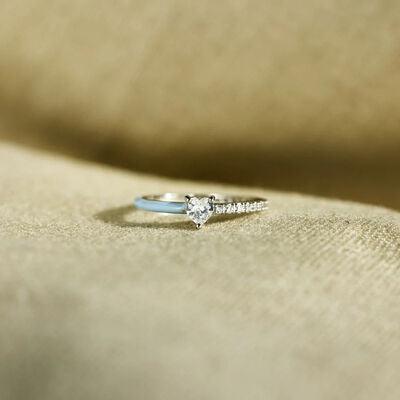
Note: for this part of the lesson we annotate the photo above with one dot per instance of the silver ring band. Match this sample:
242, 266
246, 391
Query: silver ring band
200, 207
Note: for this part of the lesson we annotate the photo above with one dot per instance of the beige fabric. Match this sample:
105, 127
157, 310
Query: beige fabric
98, 301
309, 93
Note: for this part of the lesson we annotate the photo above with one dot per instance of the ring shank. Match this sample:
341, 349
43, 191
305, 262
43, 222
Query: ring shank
181, 197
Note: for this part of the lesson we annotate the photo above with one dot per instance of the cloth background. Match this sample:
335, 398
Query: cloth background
303, 98
99, 301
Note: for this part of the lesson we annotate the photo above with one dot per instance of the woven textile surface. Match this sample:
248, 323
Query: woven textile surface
102, 101
310, 94
100, 301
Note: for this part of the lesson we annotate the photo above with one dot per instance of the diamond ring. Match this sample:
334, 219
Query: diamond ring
200, 207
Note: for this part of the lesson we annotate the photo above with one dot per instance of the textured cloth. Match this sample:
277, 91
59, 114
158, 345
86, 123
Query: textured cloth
99, 301
309, 93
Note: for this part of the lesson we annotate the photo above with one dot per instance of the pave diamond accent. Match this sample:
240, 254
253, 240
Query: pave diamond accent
199, 210
240, 207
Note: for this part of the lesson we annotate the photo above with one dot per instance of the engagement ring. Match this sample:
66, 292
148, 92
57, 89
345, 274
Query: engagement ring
200, 207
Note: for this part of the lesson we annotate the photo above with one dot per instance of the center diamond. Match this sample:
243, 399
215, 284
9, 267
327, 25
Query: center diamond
199, 209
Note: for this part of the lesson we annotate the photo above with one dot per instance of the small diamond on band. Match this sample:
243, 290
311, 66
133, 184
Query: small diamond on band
242, 207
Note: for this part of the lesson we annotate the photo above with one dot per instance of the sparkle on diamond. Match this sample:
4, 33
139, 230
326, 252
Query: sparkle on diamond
199, 209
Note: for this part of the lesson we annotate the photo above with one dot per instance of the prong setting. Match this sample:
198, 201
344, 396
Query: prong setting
199, 209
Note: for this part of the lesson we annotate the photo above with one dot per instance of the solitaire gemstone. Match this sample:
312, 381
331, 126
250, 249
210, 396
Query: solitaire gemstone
199, 210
